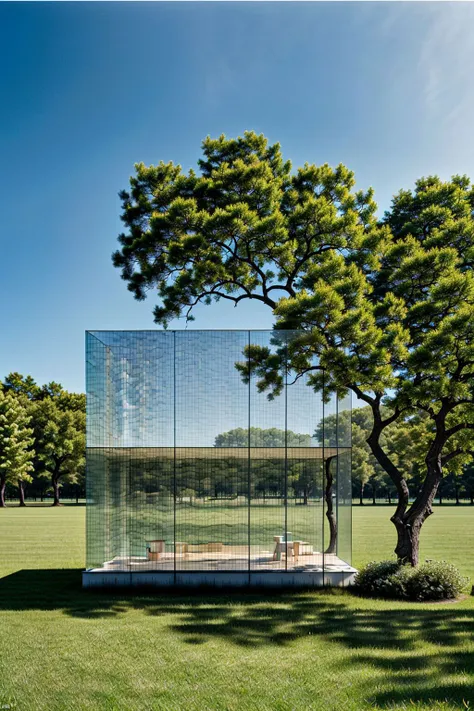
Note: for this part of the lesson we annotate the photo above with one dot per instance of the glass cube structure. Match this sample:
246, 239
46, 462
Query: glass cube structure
196, 476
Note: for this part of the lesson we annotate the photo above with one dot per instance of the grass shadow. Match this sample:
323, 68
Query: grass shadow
418, 652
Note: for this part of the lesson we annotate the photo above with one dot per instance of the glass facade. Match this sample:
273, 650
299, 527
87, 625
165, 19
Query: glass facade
192, 467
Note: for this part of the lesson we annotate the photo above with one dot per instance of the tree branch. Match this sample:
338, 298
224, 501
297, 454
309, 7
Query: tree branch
457, 428
361, 395
455, 453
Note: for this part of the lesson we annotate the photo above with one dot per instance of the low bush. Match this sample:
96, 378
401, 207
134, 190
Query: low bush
395, 586
372, 578
434, 580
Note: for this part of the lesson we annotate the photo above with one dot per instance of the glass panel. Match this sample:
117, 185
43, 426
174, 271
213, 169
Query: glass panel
97, 524
212, 451
151, 508
344, 481
117, 463
268, 471
305, 490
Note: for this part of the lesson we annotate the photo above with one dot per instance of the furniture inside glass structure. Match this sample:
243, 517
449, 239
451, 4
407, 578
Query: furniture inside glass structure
195, 476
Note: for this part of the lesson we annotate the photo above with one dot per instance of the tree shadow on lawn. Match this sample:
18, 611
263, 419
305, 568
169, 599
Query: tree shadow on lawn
413, 650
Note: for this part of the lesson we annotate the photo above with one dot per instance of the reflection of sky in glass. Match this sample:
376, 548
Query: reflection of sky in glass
160, 388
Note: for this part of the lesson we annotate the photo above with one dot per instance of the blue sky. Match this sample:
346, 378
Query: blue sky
88, 89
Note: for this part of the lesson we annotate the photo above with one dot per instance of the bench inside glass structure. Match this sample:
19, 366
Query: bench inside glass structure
196, 477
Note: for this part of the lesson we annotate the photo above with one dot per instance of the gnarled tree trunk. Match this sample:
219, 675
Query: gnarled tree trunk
408, 523
408, 520
330, 515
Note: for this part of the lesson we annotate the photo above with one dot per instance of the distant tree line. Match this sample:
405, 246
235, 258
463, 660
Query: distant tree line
42, 439
42, 453
404, 440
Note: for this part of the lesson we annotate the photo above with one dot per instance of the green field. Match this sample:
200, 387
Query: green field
61, 648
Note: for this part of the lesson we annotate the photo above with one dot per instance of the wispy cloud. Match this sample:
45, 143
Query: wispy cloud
446, 60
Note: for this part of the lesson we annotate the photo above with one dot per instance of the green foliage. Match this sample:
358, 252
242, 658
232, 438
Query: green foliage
26, 387
242, 225
403, 440
60, 437
371, 579
271, 437
57, 419
15, 442
433, 580
396, 585
21, 385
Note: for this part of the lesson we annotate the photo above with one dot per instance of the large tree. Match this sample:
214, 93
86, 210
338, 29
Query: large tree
16, 442
386, 308
59, 425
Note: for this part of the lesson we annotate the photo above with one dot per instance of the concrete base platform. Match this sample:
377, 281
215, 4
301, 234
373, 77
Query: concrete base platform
100, 578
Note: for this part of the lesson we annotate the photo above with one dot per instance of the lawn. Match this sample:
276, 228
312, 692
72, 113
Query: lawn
61, 648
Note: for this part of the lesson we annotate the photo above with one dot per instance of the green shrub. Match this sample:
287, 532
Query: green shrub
436, 580
372, 578
430, 581
395, 586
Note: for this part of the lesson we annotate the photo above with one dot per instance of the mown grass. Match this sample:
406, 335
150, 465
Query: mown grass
447, 535
61, 648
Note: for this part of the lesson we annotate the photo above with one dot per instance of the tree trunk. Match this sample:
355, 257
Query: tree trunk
389, 498
330, 508
305, 496
404, 543
21, 492
361, 496
373, 496
409, 524
55, 483
3, 486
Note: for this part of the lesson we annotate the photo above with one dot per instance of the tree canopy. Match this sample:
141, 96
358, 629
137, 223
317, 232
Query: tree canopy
59, 440
55, 432
16, 440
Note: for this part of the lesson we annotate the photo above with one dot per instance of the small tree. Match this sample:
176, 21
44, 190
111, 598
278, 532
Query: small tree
60, 439
16, 442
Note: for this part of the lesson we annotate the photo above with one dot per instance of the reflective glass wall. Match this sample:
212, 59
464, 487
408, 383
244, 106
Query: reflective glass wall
192, 465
